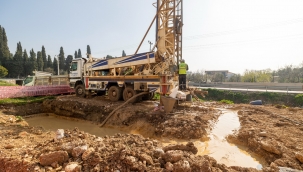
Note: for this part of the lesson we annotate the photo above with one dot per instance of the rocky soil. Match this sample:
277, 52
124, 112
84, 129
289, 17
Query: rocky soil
273, 132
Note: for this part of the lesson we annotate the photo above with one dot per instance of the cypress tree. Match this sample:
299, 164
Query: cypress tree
44, 58
76, 54
69, 59
26, 63
1, 45
49, 62
123, 53
88, 51
55, 66
79, 54
33, 61
61, 59
17, 64
39, 61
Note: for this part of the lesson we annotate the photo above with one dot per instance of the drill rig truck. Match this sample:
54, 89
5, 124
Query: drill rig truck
124, 77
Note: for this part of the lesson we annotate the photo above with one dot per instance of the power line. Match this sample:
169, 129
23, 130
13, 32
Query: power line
253, 28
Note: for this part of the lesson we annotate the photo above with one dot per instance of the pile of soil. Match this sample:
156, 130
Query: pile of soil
273, 132
30, 149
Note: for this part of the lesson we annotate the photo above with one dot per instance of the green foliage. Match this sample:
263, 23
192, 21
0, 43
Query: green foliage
44, 58
123, 53
157, 96
68, 60
299, 99
226, 101
49, 63
40, 61
4, 83
76, 55
257, 76
19, 118
25, 100
3, 72
79, 53
88, 50
62, 59
55, 66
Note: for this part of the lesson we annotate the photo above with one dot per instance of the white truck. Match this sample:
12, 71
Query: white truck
45, 78
125, 77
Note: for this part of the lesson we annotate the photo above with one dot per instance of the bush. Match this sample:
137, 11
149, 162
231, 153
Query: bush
299, 99
227, 101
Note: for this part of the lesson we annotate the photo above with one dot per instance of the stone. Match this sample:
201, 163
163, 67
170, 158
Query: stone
270, 148
59, 134
50, 158
172, 156
87, 153
158, 152
77, 151
263, 134
147, 158
299, 156
169, 166
72, 167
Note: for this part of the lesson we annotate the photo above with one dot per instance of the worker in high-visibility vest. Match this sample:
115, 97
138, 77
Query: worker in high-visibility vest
183, 67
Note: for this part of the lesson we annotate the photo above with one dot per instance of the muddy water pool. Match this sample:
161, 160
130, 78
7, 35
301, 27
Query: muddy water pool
52, 122
216, 147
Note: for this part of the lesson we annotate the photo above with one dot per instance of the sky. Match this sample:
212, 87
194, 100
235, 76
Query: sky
233, 35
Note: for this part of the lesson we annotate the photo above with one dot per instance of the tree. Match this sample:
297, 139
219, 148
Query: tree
33, 61
88, 51
26, 64
17, 65
76, 54
61, 59
44, 58
55, 66
3, 72
69, 59
79, 54
39, 61
49, 62
4, 50
123, 53
109, 57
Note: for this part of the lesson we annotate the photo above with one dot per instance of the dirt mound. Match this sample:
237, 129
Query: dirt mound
275, 133
30, 149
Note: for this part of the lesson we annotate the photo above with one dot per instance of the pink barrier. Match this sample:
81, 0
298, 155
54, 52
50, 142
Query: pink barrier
29, 91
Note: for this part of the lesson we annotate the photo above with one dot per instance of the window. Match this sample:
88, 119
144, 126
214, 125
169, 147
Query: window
73, 66
28, 80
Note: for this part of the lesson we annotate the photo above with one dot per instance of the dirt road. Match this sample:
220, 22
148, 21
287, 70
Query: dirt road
274, 133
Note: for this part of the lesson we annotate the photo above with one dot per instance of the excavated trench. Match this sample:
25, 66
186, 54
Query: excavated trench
202, 129
216, 146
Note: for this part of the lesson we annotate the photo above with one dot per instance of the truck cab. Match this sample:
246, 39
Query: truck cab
76, 72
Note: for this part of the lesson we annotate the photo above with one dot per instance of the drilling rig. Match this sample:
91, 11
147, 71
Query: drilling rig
124, 77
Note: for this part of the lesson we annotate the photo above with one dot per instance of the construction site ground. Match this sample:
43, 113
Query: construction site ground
271, 132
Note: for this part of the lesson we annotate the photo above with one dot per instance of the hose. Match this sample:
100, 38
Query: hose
135, 96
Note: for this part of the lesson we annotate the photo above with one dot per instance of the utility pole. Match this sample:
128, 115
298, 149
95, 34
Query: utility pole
58, 63
150, 43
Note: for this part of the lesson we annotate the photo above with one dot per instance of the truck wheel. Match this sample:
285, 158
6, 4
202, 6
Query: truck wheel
128, 93
114, 93
80, 90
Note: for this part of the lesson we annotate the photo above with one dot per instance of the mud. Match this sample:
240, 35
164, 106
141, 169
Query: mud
271, 132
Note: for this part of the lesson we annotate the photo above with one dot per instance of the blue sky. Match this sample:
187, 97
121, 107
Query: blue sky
229, 35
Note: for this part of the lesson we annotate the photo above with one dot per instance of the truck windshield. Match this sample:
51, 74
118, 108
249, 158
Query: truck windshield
27, 80
73, 66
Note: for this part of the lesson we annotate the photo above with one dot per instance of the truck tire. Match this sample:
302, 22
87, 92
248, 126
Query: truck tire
114, 93
80, 90
128, 93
